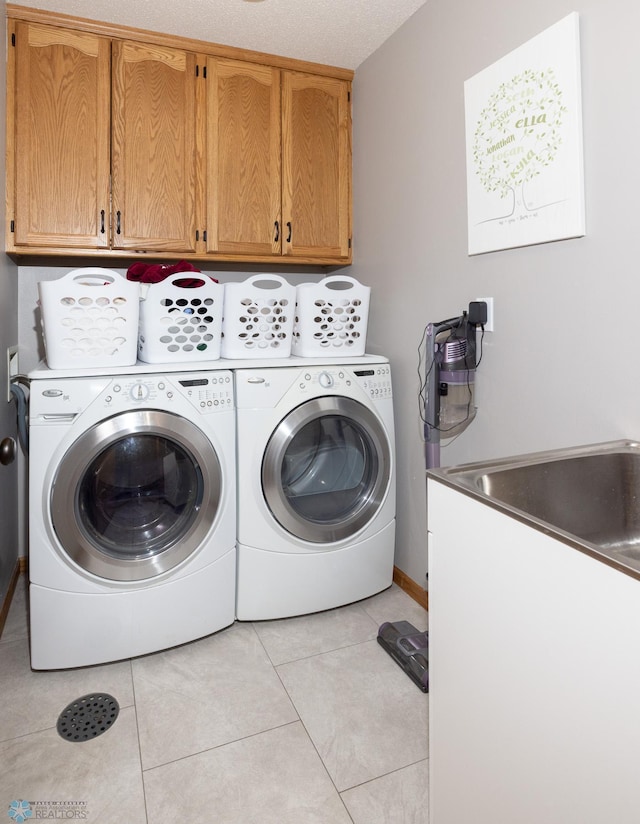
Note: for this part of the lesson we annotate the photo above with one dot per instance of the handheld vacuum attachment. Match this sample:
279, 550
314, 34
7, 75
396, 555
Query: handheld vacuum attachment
408, 648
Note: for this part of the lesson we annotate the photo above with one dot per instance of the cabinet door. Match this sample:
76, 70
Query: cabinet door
243, 158
316, 166
61, 137
154, 158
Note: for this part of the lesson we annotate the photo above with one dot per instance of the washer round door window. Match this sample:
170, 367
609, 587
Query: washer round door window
136, 495
326, 469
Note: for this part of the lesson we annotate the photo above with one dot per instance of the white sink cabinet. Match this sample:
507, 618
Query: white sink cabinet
534, 674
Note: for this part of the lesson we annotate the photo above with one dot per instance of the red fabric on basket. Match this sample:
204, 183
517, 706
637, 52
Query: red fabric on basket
157, 272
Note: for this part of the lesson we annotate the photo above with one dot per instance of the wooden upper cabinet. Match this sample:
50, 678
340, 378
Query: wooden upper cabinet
243, 158
278, 162
316, 166
154, 157
121, 141
58, 188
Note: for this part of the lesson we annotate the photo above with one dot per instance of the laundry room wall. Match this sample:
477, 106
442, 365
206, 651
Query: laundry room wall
9, 475
561, 367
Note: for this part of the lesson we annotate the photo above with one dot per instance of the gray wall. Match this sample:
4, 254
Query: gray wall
9, 536
561, 367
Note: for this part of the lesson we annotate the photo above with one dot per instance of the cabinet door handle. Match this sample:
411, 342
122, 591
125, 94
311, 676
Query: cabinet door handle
277, 237
101, 221
118, 222
289, 228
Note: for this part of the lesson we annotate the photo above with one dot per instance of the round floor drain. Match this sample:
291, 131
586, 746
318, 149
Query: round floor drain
88, 717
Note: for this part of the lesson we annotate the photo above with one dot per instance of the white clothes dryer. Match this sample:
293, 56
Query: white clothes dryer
316, 486
132, 515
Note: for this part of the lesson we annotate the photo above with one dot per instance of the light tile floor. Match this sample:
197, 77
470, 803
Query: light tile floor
298, 721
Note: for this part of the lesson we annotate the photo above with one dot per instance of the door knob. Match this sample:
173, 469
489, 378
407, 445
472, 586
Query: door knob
7, 451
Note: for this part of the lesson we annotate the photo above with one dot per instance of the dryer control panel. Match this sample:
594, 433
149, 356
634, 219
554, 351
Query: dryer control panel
375, 380
267, 388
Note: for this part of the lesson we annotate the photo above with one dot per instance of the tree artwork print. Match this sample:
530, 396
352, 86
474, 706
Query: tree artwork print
524, 145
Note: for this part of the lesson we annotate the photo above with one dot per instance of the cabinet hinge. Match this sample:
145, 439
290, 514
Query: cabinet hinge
13, 225
348, 97
349, 243
13, 39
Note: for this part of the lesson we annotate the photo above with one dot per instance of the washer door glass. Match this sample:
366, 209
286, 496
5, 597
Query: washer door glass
136, 494
326, 469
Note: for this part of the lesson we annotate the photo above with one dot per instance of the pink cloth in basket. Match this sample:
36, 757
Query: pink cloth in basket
157, 272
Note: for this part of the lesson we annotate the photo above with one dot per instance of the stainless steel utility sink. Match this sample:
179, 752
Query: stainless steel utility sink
586, 496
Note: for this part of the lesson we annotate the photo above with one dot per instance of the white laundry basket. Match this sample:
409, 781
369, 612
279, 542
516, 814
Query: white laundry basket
258, 318
331, 317
179, 322
89, 318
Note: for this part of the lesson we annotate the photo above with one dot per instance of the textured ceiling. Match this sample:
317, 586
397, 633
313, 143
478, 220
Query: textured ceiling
337, 32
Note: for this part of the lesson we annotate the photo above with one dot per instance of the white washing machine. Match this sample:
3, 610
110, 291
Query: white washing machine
132, 513
316, 486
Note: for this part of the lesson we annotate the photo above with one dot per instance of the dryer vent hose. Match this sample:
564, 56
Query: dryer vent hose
21, 401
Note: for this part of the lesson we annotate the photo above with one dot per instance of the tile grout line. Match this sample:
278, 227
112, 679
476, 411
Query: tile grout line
311, 741
220, 746
135, 710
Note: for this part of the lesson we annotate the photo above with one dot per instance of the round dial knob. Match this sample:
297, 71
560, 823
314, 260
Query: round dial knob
139, 392
325, 380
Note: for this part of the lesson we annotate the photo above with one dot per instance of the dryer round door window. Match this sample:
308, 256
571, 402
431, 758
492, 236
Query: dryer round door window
326, 469
136, 495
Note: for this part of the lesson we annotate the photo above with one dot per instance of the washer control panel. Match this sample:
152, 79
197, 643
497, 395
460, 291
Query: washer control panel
207, 391
59, 401
210, 393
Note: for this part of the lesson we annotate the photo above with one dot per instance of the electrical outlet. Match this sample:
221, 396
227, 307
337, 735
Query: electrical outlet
488, 327
12, 368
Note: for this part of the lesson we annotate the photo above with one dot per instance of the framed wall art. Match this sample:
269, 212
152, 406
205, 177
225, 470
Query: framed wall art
523, 121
